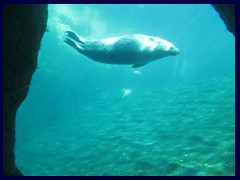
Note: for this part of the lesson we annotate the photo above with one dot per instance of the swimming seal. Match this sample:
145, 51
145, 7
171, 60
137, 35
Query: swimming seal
136, 49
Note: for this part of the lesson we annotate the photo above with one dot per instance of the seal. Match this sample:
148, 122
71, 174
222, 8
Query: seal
136, 49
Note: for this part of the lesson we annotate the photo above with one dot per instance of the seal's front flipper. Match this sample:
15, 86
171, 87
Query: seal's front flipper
139, 65
75, 37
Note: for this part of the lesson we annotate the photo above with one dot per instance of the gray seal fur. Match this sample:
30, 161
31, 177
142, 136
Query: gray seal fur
136, 49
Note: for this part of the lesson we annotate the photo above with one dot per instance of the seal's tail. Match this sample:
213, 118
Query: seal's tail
74, 44
75, 37
75, 41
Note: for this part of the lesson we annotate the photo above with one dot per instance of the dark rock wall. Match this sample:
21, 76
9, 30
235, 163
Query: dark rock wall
23, 28
227, 14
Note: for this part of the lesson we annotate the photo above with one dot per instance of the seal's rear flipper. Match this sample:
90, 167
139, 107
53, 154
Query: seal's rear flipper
73, 44
75, 37
139, 65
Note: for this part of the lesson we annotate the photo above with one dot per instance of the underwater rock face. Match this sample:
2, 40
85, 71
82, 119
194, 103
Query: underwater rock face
227, 14
24, 26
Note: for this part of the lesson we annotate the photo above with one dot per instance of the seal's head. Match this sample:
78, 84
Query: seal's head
166, 46
174, 50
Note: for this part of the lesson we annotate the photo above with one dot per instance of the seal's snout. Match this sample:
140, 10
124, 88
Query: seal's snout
175, 50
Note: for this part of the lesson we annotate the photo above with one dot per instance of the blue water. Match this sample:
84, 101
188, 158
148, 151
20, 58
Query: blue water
174, 116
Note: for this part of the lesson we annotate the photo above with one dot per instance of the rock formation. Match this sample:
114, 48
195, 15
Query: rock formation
23, 28
227, 14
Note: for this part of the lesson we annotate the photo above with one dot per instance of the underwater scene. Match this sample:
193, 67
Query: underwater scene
132, 114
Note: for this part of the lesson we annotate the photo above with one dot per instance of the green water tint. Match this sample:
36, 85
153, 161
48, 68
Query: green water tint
169, 131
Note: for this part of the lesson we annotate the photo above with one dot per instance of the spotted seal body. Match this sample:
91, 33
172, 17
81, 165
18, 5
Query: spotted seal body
136, 49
